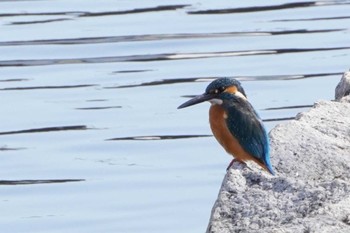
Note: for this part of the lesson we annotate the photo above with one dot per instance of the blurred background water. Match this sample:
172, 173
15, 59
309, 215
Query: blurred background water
91, 140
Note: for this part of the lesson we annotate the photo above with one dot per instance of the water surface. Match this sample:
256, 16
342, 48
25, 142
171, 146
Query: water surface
91, 140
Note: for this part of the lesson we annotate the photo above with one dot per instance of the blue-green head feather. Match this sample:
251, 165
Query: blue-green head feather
221, 84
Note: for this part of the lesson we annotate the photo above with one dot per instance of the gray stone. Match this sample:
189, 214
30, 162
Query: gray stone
343, 88
311, 190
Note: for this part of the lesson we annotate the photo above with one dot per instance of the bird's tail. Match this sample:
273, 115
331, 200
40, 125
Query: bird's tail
268, 165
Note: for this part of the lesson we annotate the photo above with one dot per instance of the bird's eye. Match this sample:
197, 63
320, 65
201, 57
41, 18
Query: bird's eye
217, 90
221, 89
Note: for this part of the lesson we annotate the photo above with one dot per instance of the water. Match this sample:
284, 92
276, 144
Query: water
91, 140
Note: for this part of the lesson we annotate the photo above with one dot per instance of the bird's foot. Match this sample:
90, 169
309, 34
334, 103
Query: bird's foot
236, 160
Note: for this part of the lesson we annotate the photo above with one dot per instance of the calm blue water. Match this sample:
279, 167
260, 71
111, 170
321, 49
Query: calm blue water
74, 74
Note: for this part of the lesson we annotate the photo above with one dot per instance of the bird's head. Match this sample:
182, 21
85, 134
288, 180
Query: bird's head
217, 91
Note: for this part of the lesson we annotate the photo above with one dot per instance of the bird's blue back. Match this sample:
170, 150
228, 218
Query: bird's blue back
246, 126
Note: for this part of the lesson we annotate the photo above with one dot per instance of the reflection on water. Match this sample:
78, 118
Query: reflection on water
284, 6
158, 37
158, 137
95, 14
289, 107
98, 108
4, 148
28, 182
45, 87
162, 57
312, 19
240, 78
67, 67
46, 129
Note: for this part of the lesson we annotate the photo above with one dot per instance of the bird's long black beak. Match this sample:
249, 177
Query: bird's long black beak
196, 100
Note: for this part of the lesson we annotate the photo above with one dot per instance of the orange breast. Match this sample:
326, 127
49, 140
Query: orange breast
217, 119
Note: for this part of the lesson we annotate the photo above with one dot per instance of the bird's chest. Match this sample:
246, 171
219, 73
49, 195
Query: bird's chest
218, 125
217, 119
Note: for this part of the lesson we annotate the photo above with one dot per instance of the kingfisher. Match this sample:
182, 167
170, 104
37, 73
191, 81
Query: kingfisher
235, 123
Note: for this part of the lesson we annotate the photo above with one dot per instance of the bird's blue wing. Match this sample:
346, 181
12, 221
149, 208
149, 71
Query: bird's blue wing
246, 126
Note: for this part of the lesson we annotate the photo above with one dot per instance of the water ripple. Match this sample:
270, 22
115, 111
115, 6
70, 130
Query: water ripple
38, 21
270, 8
162, 57
28, 182
289, 107
46, 87
5, 148
312, 19
98, 108
158, 137
14, 80
95, 14
156, 37
46, 129
241, 78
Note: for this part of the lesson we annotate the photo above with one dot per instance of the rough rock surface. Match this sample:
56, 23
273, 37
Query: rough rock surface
311, 190
343, 88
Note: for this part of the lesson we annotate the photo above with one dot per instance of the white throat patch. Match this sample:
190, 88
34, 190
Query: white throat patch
216, 101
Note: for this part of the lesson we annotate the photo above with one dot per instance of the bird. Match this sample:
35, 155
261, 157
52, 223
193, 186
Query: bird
235, 123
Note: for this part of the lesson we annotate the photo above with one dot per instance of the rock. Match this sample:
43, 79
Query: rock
343, 88
311, 190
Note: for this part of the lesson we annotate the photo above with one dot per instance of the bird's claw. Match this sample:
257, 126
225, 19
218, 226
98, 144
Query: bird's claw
235, 160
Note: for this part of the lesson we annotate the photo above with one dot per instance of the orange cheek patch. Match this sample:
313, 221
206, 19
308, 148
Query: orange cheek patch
231, 89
